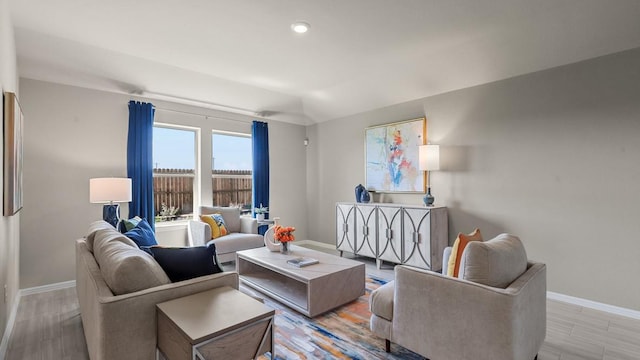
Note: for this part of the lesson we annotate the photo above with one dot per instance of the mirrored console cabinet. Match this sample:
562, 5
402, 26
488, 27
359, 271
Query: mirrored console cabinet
402, 234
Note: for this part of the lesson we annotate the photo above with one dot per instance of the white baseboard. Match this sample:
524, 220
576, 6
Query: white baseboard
634, 314
316, 243
48, 287
9, 328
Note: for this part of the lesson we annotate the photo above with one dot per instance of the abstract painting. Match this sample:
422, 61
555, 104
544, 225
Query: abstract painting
12, 154
391, 156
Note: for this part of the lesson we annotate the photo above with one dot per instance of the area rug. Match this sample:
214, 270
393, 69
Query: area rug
339, 334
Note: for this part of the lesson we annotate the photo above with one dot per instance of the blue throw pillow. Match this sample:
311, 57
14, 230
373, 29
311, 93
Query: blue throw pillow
184, 263
142, 234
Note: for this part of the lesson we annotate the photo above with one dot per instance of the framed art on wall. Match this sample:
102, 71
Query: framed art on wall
391, 157
12, 130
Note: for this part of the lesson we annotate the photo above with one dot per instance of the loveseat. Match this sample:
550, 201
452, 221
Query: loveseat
243, 232
118, 287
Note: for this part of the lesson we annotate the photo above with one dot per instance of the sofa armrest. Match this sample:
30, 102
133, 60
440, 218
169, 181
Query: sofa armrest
199, 233
248, 225
128, 322
506, 322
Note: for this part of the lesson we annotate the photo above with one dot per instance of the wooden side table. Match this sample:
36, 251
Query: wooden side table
222, 323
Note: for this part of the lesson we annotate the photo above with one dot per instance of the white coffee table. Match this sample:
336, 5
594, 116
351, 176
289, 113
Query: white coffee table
310, 290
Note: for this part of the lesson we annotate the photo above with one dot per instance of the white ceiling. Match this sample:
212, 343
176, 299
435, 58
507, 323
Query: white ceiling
359, 54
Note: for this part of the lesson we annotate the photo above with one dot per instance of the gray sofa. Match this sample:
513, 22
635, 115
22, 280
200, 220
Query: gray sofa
118, 287
243, 232
496, 311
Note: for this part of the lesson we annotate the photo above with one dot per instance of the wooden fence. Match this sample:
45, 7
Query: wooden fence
173, 188
231, 187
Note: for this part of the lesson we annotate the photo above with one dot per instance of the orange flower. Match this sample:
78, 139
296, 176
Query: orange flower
284, 234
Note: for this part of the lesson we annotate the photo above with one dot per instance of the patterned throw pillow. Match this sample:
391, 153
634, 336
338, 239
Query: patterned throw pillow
216, 223
131, 223
221, 225
458, 247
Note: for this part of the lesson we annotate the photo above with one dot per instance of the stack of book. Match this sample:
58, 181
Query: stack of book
302, 261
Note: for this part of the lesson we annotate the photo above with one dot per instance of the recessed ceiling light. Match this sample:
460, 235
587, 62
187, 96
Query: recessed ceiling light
300, 27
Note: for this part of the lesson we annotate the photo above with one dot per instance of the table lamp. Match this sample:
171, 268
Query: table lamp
110, 191
429, 160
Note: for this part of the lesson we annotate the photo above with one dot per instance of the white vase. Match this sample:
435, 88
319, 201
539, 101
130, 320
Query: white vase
269, 241
260, 217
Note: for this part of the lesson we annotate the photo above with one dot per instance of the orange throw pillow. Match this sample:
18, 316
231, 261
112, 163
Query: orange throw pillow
462, 240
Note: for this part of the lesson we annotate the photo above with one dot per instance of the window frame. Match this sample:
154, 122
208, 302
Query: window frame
196, 172
250, 176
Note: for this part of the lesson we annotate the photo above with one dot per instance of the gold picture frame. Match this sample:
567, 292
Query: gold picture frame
13, 154
391, 157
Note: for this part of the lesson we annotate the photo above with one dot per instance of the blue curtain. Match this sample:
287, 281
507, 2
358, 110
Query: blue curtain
260, 147
140, 160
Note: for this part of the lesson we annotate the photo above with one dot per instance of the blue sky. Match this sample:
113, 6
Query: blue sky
175, 149
231, 152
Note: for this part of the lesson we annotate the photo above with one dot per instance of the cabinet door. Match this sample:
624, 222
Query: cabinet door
390, 233
345, 224
366, 230
417, 237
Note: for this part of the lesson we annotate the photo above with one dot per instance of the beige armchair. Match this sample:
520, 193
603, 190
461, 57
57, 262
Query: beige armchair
243, 232
497, 310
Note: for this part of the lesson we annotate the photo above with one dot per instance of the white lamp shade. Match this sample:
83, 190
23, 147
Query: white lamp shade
429, 157
105, 190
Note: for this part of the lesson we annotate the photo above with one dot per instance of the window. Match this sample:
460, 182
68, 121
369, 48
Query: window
174, 170
231, 164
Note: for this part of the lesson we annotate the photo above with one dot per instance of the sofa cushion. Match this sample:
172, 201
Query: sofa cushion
93, 229
124, 267
231, 216
237, 241
381, 302
453, 266
184, 263
142, 234
497, 262
106, 235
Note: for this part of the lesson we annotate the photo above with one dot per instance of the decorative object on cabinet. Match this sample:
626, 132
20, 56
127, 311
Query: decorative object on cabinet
359, 190
401, 234
110, 191
13, 123
429, 161
365, 197
391, 157
269, 239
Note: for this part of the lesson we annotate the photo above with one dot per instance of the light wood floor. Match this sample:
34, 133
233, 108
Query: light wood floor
48, 326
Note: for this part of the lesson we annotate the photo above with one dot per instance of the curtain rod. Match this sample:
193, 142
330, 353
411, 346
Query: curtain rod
202, 115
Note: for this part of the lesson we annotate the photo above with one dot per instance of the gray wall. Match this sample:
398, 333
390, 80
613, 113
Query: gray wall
74, 134
9, 225
552, 157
